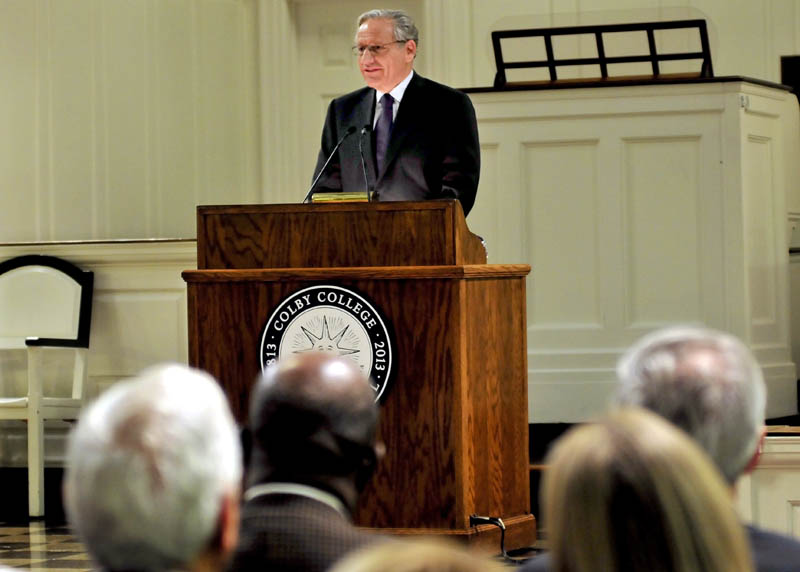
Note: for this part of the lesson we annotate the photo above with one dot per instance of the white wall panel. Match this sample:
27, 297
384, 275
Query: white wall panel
766, 150
770, 496
634, 203
66, 154
759, 231
560, 191
282, 115
738, 34
176, 115
448, 41
493, 207
126, 114
138, 329
126, 136
19, 187
550, 394
498, 215
783, 26
225, 139
662, 205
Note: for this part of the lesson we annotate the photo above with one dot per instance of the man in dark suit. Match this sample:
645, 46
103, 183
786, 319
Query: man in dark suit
312, 429
424, 142
709, 384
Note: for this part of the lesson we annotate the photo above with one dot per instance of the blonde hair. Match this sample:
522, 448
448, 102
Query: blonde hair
632, 492
415, 556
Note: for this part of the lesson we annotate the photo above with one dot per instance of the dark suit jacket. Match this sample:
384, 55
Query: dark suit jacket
289, 532
772, 552
433, 150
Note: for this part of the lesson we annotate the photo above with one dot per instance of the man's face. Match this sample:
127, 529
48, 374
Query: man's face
393, 62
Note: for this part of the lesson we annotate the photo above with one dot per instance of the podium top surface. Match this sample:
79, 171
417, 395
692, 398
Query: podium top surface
335, 235
459, 272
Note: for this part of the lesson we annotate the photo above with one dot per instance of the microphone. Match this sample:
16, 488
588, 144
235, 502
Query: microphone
364, 131
350, 130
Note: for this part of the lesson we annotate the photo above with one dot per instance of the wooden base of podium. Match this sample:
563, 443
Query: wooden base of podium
520, 533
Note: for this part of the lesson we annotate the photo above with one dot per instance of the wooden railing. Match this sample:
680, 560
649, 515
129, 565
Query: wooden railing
552, 63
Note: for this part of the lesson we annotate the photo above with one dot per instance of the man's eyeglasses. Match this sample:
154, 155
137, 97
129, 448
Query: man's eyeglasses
374, 49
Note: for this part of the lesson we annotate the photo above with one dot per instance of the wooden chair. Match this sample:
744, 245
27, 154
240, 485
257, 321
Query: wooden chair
45, 303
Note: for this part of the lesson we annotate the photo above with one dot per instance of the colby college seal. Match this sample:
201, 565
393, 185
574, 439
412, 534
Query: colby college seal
334, 320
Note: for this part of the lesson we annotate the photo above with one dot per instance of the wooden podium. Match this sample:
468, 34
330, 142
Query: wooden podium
454, 416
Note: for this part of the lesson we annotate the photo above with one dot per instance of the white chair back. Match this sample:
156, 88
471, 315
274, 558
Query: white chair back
38, 301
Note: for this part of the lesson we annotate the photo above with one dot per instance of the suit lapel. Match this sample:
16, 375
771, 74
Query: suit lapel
365, 110
404, 121
364, 114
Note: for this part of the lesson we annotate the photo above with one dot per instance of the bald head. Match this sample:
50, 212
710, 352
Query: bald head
312, 415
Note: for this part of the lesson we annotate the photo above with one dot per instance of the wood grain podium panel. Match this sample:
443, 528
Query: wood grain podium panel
453, 419
335, 235
495, 383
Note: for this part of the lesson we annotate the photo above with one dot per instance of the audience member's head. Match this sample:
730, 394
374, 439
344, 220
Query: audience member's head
705, 382
415, 556
632, 492
313, 421
153, 473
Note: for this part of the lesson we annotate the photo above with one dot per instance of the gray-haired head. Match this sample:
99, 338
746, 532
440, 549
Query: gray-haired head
707, 383
404, 28
149, 465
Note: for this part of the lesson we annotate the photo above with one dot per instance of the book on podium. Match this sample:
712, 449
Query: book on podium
339, 198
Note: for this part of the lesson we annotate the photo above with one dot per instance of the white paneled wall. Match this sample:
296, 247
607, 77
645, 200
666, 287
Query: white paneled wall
120, 116
637, 208
138, 319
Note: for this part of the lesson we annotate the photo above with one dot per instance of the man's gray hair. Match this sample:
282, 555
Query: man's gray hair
404, 28
707, 383
148, 466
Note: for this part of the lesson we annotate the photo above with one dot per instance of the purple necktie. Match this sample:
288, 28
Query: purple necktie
383, 129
